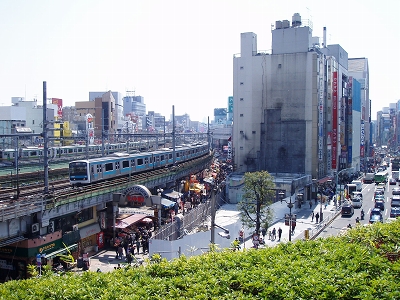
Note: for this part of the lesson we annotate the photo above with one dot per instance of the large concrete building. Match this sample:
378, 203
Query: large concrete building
292, 110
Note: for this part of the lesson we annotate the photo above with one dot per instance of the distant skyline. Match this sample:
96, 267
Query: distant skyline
174, 52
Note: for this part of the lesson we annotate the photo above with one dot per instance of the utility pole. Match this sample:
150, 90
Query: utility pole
45, 141
173, 134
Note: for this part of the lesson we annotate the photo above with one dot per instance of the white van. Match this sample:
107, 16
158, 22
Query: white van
358, 183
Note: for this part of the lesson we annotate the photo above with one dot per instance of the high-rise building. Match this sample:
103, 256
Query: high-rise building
292, 107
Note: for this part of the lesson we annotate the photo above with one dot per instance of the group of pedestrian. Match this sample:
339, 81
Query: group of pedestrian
316, 216
272, 234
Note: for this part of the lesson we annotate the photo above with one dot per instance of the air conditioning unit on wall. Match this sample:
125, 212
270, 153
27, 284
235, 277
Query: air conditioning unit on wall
35, 227
50, 227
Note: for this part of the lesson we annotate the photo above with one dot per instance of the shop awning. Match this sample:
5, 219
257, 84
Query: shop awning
167, 203
12, 241
172, 194
61, 251
130, 220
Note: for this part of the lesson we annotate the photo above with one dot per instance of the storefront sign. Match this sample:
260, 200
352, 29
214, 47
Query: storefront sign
89, 230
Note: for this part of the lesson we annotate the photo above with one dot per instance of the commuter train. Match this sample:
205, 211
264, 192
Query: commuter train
34, 152
83, 172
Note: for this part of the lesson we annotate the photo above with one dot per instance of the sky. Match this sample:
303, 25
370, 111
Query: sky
174, 52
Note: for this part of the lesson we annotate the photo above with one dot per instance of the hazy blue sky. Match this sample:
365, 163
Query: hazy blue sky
174, 52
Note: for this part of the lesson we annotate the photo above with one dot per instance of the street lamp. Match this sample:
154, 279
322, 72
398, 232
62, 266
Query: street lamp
159, 207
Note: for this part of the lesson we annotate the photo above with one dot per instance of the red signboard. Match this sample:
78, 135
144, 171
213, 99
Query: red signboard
58, 102
335, 119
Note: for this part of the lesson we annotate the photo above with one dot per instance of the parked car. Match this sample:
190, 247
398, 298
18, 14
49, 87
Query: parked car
347, 210
380, 204
395, 212
375, 218
392, 181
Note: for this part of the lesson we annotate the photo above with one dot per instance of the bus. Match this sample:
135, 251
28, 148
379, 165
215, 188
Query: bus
381, 177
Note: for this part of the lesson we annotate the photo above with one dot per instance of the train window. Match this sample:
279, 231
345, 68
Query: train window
117, 165
125, 164
109, 167
178, 154
170, 156
98, 168
132, 162
140, 161
162, 158
146, 160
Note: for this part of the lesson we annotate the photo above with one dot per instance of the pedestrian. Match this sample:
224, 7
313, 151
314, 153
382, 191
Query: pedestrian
263, 232
129, 258
274, 234
310, 204
293, 227
316, 217
312, 217
120, 252
279, 234
137, 246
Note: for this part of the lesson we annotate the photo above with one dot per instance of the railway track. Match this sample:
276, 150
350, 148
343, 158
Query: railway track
61, 188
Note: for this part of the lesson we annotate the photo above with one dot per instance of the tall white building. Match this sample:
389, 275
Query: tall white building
289, 111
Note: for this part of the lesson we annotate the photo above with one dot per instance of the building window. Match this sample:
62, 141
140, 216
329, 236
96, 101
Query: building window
241, 68
253, 132
241, 131
33, 122
241, 147
241, 83
241, 99
241, 115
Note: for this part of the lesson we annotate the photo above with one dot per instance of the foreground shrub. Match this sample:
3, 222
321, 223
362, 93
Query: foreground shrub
354, 266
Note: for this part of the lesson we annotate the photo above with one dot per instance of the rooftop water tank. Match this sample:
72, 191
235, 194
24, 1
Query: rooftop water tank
278, 24
296, 20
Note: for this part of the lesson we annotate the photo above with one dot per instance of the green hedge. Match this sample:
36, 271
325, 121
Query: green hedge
359, 265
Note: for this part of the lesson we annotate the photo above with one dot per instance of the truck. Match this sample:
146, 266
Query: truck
369, 178
350, 188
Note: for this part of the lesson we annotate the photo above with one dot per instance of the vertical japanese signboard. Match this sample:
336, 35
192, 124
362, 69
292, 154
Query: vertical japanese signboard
335, 119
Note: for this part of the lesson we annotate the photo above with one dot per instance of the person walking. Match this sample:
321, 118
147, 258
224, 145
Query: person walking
312, 217
310, 204
137, 246
263, 232
273, 234
316, 217
279, 234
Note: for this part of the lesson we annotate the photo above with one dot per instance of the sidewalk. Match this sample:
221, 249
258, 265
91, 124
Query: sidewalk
105, 261
303, 223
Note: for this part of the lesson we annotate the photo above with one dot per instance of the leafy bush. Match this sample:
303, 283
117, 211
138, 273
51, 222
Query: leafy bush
354, 266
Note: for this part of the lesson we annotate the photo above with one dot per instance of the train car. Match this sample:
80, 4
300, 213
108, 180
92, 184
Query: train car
120, 164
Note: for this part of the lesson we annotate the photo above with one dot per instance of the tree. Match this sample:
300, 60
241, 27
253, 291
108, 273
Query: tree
259, 191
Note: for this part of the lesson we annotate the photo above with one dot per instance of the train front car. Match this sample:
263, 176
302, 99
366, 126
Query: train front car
79, 172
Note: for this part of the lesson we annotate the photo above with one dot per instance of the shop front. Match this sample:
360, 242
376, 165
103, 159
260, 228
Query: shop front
91, 238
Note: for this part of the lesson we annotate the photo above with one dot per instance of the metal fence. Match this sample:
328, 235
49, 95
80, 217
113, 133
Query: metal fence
188, 222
